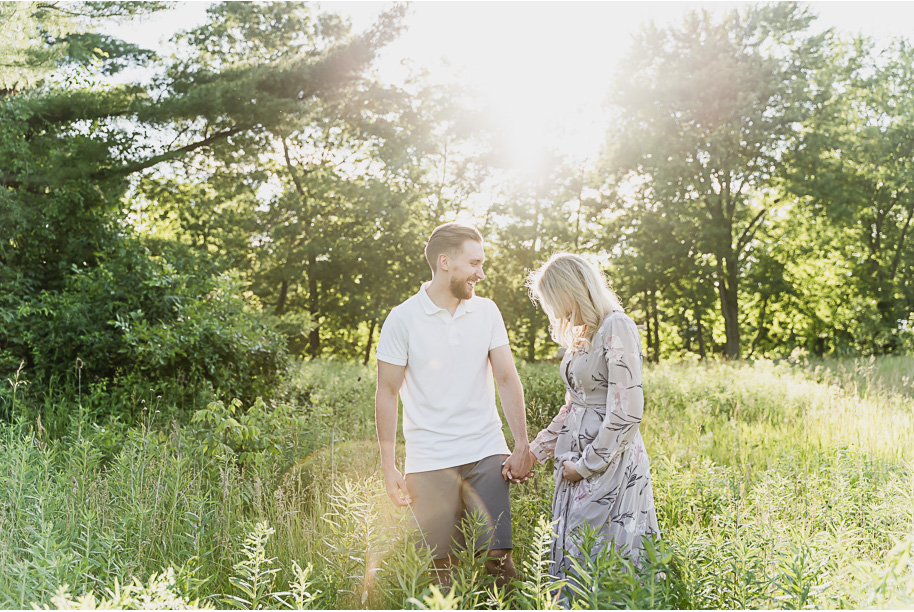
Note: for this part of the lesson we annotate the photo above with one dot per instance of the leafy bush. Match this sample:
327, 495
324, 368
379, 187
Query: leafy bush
134, 317
544, 393
607, 580
252, 435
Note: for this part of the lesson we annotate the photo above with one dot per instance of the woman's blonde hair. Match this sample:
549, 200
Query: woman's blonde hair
576, 297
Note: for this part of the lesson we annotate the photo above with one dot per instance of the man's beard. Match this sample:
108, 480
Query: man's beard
460, 289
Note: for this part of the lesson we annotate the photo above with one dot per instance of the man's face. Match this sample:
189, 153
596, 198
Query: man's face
465, 269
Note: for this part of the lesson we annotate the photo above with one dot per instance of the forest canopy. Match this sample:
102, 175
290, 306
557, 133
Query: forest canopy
263, 195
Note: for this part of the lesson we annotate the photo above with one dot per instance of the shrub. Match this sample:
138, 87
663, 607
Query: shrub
544, 393
134, 317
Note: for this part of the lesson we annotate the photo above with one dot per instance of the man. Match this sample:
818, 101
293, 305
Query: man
439, 350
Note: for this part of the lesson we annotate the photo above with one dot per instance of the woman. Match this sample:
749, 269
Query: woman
602, 475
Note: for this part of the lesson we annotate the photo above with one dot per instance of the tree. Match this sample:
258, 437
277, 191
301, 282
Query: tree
40, 38
333, 202
658, 266
77, 146
705, 111
853, 167
530, 221
70, 152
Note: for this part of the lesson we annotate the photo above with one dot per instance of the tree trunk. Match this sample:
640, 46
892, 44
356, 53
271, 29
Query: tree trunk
762, 330
370, 341
314, 338
701, 335
283, 295
656, 327
727, 284
647, 325
686, 335
531, 340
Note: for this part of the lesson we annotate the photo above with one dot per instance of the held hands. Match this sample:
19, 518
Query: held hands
571, 474
518, 467
396, 487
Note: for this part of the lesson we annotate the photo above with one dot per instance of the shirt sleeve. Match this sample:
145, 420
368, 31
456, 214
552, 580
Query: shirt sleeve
393, 342
543, 446
624, 397
499, 335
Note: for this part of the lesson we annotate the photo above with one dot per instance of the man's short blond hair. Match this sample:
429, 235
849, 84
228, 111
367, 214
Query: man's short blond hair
448, 239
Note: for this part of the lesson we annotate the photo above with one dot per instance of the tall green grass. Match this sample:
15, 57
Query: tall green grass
777, 486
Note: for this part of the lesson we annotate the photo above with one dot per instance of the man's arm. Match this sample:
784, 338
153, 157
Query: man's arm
518, 465
390, 377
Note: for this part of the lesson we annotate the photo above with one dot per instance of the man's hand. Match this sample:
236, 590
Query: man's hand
390, 378
518, 468
571, 473
396, 487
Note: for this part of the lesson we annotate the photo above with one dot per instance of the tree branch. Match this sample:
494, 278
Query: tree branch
288, 158
167, 156
749, 232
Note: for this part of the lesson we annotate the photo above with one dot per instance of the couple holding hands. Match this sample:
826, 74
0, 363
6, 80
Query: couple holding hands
439, 352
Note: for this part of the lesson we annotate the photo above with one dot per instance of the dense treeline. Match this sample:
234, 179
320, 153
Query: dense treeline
261, 193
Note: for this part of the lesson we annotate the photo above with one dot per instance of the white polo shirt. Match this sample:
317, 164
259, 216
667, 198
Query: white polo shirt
449, 413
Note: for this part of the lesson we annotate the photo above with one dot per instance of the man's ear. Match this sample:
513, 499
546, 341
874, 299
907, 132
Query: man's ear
443, 262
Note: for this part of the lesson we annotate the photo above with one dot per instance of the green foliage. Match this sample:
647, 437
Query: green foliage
544, 393
436, 600
538, 590
41, 36
160, 592
72, 282
889, 583
607, 580
776, 487
252, 436
135, 317
848, 172
537, 217
254, 574
302, 597
406, 574
706, 108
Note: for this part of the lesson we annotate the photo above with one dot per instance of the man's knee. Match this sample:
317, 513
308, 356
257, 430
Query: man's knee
500, 565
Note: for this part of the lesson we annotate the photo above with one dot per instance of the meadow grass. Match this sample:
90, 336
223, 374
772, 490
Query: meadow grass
777, 486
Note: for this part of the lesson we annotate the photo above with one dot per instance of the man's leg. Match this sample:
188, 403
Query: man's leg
442, 571
501, 566
437, 508
485, 490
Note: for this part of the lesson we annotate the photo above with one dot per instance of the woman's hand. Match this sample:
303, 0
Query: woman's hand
571, 474
518, 467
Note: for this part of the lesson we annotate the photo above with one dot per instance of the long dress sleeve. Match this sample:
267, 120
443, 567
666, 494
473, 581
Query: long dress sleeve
543, 446
621, 346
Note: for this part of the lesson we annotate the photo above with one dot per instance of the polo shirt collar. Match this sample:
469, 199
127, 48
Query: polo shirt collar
431, 308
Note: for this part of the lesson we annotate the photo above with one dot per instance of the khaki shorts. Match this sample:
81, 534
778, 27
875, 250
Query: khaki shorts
442, 498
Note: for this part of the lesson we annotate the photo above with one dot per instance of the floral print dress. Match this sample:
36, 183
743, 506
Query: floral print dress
598, 430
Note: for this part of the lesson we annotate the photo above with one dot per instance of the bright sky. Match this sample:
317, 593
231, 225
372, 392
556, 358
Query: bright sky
541, 68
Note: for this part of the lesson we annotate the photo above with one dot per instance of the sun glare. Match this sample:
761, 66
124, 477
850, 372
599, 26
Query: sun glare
541, 71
